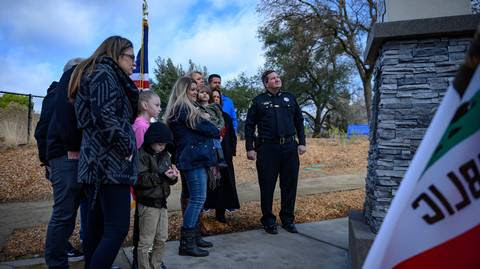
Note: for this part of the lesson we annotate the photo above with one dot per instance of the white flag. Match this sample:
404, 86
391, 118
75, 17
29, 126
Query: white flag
434, 219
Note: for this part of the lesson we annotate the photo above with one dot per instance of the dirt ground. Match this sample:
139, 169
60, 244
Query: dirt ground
20, 168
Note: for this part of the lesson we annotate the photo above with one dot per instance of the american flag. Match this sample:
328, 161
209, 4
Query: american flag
140, 73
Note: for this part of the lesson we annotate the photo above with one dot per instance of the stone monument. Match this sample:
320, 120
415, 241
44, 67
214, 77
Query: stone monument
416, 52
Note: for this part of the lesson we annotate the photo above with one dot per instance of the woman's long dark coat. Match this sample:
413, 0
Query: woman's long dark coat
225, 196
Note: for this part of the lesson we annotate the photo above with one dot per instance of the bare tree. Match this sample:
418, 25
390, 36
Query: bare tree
311, 66
348, 21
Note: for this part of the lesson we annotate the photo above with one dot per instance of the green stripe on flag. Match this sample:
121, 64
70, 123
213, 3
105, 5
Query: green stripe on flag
464, 124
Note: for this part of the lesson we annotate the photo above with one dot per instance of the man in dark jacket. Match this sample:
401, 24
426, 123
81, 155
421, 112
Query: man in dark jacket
279, 122
42, 126
53, 149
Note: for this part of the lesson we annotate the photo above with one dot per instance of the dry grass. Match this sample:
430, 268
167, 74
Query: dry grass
323, 157
14, 126
29, 242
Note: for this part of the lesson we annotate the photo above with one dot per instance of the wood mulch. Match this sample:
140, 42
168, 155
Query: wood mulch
29, 243
23, 179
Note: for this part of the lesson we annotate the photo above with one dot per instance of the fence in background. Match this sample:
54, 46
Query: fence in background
19, 117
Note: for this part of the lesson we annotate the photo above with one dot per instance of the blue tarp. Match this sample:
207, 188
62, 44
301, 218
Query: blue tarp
357, 129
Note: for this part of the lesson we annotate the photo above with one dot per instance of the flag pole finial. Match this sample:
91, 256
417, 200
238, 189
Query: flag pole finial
145, 9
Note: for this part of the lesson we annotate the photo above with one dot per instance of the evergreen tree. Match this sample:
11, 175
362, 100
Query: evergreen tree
166, 73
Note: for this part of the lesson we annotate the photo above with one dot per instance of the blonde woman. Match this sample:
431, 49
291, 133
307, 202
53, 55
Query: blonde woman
106, 106
195, 152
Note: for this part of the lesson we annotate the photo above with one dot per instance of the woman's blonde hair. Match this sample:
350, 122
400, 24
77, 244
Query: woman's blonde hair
112, 47
178, 101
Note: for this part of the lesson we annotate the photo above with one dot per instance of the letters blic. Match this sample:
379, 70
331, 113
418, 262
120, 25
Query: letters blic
468, 186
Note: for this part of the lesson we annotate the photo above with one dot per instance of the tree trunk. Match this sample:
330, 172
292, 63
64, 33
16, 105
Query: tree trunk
367, 93
318, 121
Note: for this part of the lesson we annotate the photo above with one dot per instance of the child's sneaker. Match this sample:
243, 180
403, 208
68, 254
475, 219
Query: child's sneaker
74, 255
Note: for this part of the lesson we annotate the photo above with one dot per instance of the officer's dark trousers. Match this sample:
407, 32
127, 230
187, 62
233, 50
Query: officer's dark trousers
274, 160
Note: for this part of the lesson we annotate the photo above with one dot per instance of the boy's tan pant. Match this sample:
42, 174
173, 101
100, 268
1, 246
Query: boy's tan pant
153, 224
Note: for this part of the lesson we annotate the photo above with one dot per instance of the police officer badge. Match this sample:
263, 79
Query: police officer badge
286, 99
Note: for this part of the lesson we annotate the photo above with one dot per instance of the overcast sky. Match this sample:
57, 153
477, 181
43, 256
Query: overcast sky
37, 37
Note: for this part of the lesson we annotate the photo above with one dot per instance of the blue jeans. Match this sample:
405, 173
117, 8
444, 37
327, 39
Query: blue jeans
83, 218
108, 224
217, 144
67, 195
197, 186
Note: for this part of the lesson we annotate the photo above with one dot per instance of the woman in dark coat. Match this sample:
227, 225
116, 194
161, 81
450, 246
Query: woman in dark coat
225, 195
106, 104
195, 153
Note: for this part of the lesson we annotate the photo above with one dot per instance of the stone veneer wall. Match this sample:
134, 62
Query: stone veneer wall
410, 80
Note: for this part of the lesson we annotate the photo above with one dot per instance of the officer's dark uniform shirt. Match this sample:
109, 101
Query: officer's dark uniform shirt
276, 116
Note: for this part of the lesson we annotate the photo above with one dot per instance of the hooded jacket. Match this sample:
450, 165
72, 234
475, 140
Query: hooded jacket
153, 187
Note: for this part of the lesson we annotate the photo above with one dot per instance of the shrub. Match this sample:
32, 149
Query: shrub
9, 98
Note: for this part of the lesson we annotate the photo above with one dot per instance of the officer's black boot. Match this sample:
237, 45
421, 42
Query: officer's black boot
188, 246
199, 240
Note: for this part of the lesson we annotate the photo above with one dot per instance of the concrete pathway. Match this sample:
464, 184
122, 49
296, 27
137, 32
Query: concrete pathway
321, 244
29, 214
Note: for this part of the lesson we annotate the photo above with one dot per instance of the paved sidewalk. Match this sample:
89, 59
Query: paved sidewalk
29, 214
321, 244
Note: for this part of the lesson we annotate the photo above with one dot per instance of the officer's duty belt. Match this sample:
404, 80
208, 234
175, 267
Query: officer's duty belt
281, 140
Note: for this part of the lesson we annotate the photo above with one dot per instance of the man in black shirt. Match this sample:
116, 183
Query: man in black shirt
277, 117
58, 140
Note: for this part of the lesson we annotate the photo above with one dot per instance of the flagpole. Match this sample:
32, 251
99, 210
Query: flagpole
142, 48
140, 73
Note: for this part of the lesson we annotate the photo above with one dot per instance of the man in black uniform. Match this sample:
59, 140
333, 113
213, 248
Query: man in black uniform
279, 121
